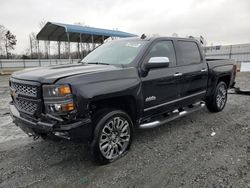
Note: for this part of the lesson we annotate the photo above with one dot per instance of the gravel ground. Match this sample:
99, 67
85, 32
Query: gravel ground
181, 154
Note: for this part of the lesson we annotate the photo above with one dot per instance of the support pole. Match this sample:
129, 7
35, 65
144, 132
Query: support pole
39, 53
59, 49
49, 52
31, 47
65, 50
49, 49
92, 39
86, 49
69, 47
45, 50
230, 52
81, 45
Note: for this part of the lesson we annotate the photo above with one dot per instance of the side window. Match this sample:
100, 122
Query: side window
163, 49
190, 52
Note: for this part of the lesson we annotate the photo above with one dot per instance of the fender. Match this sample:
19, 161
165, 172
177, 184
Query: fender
103, 85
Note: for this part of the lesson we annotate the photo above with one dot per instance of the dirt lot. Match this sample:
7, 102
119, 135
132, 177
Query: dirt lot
180, 154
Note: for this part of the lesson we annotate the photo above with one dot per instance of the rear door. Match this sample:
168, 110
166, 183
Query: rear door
194, 72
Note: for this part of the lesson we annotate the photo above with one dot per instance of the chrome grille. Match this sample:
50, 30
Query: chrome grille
24, 89
26, 106
26, 96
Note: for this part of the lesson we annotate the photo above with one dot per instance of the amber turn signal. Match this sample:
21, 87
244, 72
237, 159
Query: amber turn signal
68, 107
64, 90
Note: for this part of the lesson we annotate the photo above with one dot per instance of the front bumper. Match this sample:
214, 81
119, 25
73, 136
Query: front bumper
77, 130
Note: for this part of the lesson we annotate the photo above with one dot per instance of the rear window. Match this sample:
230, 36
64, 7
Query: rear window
189, 52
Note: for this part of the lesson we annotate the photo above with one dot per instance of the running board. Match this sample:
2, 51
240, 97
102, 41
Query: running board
173, 115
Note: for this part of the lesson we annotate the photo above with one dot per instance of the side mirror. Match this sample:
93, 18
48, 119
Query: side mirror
157, 62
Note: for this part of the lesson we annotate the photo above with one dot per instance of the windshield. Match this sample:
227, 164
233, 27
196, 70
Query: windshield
115, 52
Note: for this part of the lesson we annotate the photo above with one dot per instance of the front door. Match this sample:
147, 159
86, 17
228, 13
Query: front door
160, 87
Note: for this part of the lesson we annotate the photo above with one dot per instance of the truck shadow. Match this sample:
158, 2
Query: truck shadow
64, 150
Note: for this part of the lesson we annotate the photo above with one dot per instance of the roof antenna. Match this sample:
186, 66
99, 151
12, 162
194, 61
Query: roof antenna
143, 36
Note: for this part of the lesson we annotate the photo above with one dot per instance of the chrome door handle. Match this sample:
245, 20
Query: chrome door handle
178, 74
203, 70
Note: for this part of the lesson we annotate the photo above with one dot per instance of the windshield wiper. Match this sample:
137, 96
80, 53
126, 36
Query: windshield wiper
96, 63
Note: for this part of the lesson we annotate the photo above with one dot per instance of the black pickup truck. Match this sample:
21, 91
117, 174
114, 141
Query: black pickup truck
122, 85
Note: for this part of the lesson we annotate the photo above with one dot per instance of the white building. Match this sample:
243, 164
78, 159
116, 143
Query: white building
239, 52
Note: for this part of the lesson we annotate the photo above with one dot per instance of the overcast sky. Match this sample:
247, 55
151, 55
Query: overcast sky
219, 21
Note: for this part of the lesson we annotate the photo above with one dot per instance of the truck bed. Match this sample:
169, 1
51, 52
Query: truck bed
219, 62
220, 66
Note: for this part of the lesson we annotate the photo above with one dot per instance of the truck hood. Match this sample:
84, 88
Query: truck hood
54, 73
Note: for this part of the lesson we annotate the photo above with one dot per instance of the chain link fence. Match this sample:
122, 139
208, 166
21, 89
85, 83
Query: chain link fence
19, 63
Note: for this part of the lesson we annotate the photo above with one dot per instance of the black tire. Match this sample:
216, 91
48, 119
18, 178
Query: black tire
104, 120
217, 101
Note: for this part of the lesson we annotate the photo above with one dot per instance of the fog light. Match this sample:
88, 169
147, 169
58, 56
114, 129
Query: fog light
68, 107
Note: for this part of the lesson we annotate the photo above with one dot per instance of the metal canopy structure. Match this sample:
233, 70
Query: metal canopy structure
83, 35
76, 33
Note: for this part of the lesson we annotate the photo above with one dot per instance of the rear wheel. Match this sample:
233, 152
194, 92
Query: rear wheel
112, 136
217, 101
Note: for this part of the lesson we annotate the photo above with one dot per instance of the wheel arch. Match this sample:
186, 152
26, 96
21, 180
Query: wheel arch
125, 103
224, 78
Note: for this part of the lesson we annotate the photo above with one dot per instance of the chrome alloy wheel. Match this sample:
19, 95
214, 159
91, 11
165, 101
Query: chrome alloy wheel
114, 138
221, 97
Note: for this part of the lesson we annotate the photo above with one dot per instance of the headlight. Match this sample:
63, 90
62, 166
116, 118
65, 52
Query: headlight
56, 90
58, 99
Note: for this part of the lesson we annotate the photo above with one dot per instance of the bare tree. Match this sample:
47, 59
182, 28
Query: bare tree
46, 43
174, 35
42, 23
10, 42
33, 45
3, 31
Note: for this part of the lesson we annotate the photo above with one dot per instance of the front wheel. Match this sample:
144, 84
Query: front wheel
217, 101
112, 136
